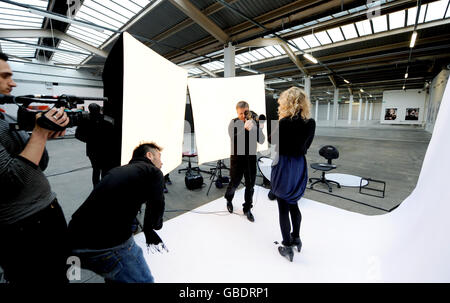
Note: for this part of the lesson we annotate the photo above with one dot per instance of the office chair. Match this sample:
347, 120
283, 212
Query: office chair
328, 152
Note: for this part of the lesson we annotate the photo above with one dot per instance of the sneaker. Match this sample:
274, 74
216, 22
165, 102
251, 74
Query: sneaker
166, 190
230, 207
249, 216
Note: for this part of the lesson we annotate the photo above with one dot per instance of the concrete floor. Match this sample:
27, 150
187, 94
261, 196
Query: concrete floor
391, 154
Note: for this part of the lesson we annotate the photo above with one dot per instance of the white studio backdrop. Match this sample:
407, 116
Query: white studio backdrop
213, 102
154, 98
409, 244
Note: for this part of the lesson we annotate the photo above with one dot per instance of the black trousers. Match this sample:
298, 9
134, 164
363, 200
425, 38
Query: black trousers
284, 210
242, 166
97, 170
35, 250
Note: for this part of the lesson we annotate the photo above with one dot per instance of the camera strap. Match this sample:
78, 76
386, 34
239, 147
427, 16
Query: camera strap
44, 122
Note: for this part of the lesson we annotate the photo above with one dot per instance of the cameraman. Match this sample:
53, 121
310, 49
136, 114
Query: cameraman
32, 224
245, 131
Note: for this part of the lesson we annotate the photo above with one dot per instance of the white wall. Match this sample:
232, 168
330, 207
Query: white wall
343, 111
437, 88
401, 100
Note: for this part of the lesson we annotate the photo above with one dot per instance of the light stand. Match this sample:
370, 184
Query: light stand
216, 175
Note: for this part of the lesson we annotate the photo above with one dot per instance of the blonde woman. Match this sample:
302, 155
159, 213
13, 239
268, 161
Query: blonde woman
290, 172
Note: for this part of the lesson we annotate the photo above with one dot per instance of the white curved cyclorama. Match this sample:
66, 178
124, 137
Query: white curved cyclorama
410, 244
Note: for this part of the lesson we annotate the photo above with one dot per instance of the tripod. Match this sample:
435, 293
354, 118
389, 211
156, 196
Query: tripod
216, 175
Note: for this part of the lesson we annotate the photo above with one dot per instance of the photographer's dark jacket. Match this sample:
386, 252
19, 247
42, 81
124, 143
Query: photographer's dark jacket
293, 136
244, 142
24, 188
105, 219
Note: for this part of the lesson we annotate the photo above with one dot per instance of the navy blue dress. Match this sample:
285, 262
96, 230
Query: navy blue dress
289, 178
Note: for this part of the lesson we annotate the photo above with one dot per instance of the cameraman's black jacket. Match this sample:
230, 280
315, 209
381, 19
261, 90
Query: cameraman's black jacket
244, 142
97, 133
105, 219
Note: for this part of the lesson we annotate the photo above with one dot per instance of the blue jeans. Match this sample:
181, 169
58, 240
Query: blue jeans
124, 263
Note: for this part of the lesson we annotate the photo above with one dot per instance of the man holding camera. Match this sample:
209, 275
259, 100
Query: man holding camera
32, 224
245, 131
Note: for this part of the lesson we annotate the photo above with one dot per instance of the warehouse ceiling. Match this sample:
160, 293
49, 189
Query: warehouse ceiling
361, 47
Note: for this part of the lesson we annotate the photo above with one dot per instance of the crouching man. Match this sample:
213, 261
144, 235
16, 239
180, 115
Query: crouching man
101, 229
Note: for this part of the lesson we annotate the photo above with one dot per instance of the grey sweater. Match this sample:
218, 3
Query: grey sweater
24, 189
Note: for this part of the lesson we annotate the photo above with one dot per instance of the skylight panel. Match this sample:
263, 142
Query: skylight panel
264, 53
19, 49
311, 40
412, 12
68, 46
436, 10
397, 20
238, 60
300, 43
349, 31
364, 28
116, 8
249, 56
110, 13
242, 58
335, 34
379, 24
16, 17
257, 55
323, 38
273, 51
280, 49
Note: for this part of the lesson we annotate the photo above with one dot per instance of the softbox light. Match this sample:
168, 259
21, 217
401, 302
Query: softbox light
146, 97
213, 103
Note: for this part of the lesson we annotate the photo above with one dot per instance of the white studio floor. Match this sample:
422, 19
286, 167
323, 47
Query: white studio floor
410, 244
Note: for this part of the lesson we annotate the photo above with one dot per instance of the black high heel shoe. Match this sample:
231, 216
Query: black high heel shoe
286, 251
298, 243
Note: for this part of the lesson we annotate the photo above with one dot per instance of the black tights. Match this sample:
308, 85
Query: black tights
285, 209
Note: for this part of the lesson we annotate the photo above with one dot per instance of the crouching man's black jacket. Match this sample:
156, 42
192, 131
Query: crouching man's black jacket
105, 219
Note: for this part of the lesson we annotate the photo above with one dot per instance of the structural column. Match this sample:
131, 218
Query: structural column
328, 111
308, 86
229, 64
366, 108
335, 106
350, 109
317, 111
360, 108
370, 110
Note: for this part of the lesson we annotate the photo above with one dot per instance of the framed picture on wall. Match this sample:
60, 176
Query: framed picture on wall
390, 114
412, 114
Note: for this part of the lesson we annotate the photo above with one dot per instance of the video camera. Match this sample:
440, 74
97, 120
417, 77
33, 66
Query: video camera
251, 115
26, 119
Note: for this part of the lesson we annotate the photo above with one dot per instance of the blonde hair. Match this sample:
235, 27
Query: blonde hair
294, 101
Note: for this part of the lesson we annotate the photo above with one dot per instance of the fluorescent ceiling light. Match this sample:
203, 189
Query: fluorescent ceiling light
249, 70
413, 39
310, 58
346, 81
361, 90
406, 75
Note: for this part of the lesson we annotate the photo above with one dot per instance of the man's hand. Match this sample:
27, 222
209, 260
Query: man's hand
155, 244
249, 125
57, 116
